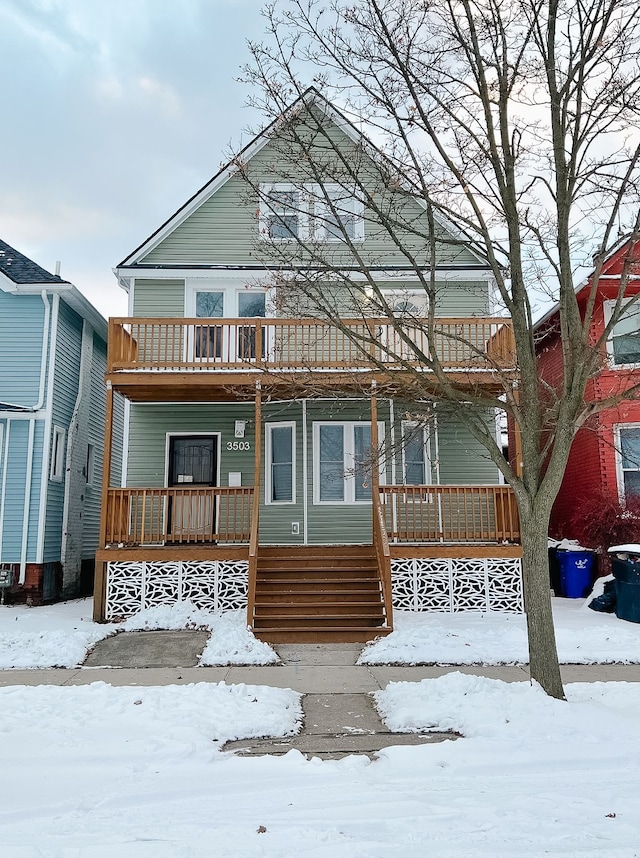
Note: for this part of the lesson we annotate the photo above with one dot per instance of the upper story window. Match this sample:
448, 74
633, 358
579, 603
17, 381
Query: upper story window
415, 459
623, 345
321, 213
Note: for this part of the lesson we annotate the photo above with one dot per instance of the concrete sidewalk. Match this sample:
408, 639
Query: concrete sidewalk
339, 715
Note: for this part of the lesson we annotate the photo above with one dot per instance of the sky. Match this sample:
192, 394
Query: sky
114, 113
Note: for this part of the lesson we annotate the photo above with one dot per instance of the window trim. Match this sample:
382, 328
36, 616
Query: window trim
348, 480
620, 471
426, 458
267, 212
56, 465
268, 477
607, 307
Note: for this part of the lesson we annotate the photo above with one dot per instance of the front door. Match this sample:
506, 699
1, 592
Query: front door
193, 465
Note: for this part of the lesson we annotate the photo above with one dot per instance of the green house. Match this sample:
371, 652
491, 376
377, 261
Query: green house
275, 455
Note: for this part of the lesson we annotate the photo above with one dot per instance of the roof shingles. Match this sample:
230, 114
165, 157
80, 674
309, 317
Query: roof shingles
21, 269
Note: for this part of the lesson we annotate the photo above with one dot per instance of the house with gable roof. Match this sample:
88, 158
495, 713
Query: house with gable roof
52, 411
257, 475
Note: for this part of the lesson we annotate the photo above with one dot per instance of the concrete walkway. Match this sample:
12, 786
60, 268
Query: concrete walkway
339, 716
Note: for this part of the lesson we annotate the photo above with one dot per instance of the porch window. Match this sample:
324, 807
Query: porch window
630, 461
342, 462
280, 464
414, 454
624, 341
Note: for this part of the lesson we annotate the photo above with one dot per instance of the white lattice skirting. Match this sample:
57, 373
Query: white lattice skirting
457, 584
218, 585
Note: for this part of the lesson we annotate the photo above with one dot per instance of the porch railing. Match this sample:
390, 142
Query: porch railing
195, 515
450, 513
199, 344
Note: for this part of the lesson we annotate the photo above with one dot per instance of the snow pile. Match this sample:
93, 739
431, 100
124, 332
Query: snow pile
233, 642
583, 637
179, 615
52, 636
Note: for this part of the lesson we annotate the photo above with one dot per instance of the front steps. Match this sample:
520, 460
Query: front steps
318, 594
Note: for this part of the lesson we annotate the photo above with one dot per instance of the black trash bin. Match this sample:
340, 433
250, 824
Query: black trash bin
625, 565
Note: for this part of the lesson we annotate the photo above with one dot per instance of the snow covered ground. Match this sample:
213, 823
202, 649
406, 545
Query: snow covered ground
97, 771
61, 635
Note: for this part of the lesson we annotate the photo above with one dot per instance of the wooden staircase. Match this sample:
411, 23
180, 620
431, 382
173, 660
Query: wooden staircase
318, 594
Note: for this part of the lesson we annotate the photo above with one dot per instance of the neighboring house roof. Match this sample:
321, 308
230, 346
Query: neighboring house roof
611, 269
20, 269
21, 275
311, 97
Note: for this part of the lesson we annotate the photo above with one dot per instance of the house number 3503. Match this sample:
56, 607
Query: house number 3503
238, 445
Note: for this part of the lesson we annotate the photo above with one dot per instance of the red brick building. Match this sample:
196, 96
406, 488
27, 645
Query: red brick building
605, 457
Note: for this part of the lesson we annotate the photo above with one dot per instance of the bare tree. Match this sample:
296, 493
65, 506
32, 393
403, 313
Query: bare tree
513, 124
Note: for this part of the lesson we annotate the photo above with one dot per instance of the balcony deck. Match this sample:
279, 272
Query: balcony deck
182, 358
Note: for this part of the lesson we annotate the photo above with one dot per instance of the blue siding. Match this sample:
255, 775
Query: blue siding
21, 322
91, 530
65, 391
14, 490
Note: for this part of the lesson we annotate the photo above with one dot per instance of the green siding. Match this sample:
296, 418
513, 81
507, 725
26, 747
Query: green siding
154, 297
224, 229
463, 460
149, 425
276, 519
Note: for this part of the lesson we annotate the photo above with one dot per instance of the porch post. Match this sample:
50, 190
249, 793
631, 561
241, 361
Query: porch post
255, 513
100, 582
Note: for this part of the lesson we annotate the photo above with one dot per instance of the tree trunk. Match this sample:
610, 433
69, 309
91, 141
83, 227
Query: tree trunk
543, 655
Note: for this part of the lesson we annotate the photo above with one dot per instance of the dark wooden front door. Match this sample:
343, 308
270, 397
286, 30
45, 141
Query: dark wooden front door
193, 464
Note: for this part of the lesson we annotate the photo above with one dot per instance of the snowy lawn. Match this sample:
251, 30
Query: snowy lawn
61, 635
96, 771
583, 636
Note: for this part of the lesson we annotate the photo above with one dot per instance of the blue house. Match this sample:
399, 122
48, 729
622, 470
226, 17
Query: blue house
52, 414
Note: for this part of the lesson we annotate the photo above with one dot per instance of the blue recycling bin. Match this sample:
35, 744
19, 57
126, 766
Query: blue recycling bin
576, 573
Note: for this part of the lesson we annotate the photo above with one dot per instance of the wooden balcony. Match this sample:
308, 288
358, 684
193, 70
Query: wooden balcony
450, 514
206, 351
171, 516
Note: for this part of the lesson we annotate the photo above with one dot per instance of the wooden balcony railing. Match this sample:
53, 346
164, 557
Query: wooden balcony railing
186, 516
294, 344
451, 513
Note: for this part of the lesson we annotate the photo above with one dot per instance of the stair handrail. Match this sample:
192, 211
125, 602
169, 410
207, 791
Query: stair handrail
383, 557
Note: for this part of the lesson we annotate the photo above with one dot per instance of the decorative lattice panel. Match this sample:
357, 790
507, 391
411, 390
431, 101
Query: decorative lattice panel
215, 586
457, 584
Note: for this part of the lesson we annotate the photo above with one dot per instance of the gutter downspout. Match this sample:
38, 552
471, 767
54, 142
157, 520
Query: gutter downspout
46, 438
27, 504
5, 460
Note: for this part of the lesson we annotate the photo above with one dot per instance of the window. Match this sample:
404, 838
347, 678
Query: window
217, 341
414, 454
57, 454
341, 216
91, 464
283, 212
208, 338
280, 464
342, 462
624, 341
630, 460
288, 212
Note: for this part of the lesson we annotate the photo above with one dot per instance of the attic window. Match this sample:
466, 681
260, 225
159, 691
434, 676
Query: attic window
282, 212
320, 213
